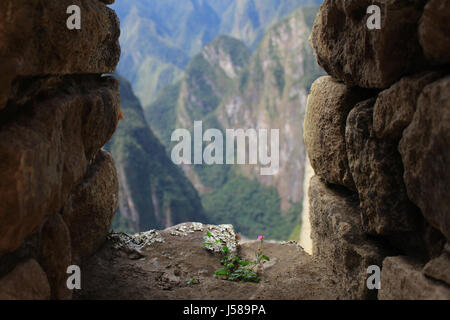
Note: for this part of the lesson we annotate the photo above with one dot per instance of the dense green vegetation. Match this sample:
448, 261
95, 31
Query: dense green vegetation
252, 208
238, 51
233, 267
277, 69
161, 114
209, 82
199, 74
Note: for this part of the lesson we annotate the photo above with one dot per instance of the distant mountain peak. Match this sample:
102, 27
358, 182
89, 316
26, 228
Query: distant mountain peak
154, 192
159, 37
231, 54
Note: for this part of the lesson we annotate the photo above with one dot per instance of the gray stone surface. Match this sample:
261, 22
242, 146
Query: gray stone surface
339, 241
26, 282
327, 109
395, 107
376, 168
402, 279
90, 209
426, 155
350, 52
439, 268
434, 31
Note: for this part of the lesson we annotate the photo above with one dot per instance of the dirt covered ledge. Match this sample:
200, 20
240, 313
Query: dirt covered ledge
159, 265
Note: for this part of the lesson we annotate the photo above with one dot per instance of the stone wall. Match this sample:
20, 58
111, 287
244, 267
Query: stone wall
377, 132
58, 188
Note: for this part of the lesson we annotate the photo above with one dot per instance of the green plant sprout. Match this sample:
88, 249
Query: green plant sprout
234, 268
192, 282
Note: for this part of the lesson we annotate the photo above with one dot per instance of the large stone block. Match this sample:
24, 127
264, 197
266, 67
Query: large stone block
377, 170
26, 282
338, 239
439, 268
46, 147
402, 279
434, 31
426, 155
395, 107
91, 207
349, 51
328, 105
56, 255
35, 40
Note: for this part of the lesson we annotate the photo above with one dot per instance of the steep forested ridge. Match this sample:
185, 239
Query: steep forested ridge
154, 193
226, 86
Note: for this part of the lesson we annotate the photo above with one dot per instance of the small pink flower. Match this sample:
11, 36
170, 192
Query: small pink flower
260, 238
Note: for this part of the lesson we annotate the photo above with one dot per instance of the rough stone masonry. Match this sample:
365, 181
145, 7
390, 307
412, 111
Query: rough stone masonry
58, 188
377, 132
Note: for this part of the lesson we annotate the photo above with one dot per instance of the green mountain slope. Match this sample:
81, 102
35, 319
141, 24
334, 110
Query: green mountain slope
271, 93
154, 193
227, 87
209, 77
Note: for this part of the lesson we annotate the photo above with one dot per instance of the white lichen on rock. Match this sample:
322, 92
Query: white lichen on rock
186, 228
224, 233
136, 241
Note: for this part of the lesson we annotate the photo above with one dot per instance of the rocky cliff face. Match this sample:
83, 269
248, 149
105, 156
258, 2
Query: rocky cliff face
272, 94
227, 87
56, 113
377, 133
154, 193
